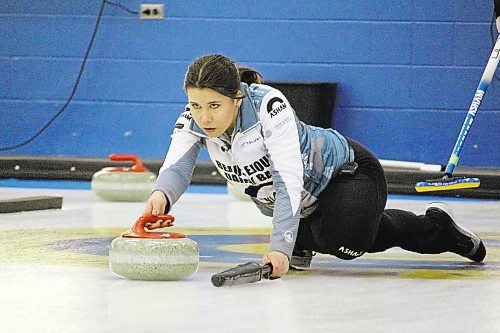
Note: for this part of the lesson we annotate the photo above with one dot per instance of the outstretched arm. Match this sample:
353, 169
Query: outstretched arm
281, 137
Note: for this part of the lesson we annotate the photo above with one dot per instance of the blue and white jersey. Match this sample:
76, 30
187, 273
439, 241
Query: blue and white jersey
280, 162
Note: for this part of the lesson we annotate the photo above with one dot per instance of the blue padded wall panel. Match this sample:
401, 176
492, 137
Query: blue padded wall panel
451, 11
92, 129
45, 36
396, 62
119, 80
450, 88
51, 7
371, 86
450, 44
421, 135
472, 46
296, 10
248, 9
431, 44
387, 10
284, 41
374, 86
41, 79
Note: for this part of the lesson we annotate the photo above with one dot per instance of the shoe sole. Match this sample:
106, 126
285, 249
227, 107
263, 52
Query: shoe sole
295, 268
475, 239
299, 267
300, 263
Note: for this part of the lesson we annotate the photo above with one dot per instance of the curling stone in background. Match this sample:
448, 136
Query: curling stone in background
122, 183
142, 255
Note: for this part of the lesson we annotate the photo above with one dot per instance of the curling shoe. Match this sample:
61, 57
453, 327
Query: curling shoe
301, 259
466, 243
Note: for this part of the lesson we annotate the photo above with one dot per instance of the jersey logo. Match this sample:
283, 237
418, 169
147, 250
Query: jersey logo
273, 111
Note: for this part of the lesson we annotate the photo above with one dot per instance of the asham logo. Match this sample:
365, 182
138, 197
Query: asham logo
275, 106
476, 101
289, 237
350, 252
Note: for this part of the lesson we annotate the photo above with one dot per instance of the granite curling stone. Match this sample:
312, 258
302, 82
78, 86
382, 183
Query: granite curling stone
142, 255
123, 183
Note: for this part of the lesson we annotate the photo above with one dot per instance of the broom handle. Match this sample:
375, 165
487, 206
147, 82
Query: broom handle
488, 73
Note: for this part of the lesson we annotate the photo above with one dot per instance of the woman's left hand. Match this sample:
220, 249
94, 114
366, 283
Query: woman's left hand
279, 261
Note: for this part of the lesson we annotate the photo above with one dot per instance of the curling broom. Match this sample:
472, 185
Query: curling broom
448, 182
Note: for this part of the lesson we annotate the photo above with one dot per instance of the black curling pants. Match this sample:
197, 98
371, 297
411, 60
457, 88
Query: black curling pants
351, 218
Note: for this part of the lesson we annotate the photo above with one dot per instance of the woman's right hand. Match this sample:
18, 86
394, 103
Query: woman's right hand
156, 205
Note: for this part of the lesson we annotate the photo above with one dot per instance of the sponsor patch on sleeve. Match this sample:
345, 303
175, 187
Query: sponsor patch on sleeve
275, 105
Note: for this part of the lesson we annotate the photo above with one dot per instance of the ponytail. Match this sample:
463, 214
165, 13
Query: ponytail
250, 75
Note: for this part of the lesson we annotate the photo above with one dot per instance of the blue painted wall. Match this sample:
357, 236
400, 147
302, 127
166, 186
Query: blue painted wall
407, 70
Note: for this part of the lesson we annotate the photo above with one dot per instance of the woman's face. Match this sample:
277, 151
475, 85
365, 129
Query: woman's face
212, 111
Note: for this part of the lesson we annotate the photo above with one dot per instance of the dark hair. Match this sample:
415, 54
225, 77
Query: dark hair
219, 73
250, 75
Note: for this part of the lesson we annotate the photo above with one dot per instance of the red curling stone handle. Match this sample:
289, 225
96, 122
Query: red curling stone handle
138, 230
137, 167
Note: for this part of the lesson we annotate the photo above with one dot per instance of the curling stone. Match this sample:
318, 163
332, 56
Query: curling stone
122, 183
142, 255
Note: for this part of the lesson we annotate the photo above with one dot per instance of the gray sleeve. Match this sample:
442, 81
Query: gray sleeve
177, 169
174, 179
285, 220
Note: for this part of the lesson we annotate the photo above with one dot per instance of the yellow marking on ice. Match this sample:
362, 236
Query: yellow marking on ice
29, 247
452, 274
421, 274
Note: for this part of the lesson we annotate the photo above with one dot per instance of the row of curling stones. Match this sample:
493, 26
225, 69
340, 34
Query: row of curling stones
161, 256
124, 183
